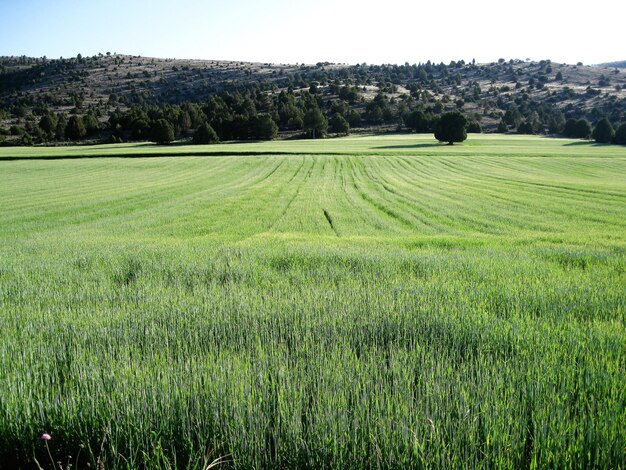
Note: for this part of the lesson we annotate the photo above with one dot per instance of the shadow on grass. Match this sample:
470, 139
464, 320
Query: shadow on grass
586, 143
412, 146
154, 155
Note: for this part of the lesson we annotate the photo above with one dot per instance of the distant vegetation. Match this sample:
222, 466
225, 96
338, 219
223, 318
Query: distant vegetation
115, 98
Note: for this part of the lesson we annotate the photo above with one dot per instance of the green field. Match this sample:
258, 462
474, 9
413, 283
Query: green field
365, 302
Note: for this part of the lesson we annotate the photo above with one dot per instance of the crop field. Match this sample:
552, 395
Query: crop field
364, 302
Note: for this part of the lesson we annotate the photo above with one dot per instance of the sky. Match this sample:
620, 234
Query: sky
341, 31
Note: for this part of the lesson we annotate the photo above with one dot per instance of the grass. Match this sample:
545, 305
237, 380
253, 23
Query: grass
360, 302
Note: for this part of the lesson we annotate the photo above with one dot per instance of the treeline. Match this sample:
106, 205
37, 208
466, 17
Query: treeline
309, 101
258, 115
232, 116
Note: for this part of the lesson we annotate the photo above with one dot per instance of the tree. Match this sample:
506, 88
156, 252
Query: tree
474, 127
451, 128
60, 127
583, 129
502, 127
620, 135
525, 128
577, 129
265, 128
417, 122
570, 128
162, 131
205, 134
339, 125
513, 117
75, 128
315, 122
603, 132
91, 123
48, 125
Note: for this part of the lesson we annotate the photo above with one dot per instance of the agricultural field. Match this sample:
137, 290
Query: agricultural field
364, 302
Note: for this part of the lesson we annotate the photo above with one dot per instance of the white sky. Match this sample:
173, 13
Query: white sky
349, 31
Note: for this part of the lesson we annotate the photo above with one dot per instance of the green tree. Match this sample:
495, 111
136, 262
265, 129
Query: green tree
417, 122
339, 125
162, 131
315, 122
556, 123
502, 127
451, 128
60, 127
48, 125
569, 129
265, 128
205, 134
354, 118
474, 127
75, 128
525, 128
603, 132
620, 135
513, 117
90, 120
583, 129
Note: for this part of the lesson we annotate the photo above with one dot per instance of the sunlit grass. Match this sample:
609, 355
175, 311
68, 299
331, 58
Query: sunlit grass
360, 302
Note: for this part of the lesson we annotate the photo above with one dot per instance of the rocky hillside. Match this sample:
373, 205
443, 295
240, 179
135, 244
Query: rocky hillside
499, 96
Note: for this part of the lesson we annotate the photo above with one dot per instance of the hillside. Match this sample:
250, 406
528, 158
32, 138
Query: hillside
120, 97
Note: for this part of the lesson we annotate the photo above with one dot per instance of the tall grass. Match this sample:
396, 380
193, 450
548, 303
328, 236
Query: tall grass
457, 312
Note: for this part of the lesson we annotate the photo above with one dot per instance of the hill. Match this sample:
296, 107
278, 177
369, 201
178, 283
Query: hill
120, 97
620, 64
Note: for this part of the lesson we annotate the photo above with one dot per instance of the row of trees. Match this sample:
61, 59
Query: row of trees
605, 134
452, 127
234, 117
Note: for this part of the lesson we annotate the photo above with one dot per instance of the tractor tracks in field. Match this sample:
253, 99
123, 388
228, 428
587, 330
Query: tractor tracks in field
295, 195
329, 219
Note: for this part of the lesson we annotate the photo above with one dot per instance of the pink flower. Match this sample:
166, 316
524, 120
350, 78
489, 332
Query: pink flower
46, 437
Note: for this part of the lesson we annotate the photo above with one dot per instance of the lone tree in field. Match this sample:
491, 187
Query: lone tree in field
205, 134
162, 132
603, 132
451, 128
